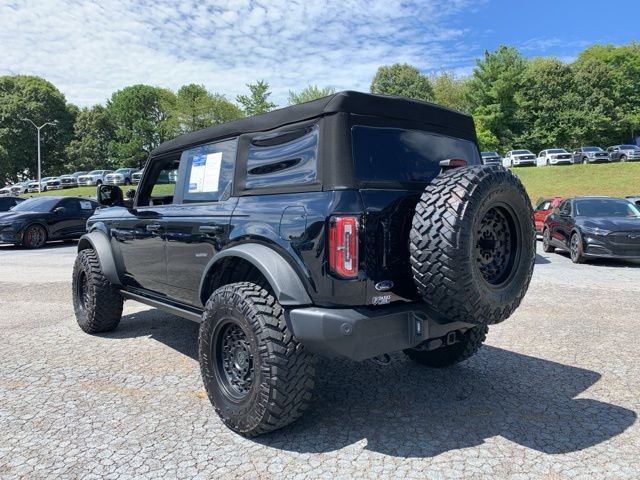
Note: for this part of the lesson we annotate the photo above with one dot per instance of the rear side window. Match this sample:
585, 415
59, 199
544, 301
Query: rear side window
283, 159
209, 171
399, 155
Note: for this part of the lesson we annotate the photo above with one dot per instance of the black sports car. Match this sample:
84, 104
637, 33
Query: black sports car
594, 227
37, 220
7, 203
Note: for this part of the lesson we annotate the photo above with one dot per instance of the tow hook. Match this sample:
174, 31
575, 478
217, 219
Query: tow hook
383, 360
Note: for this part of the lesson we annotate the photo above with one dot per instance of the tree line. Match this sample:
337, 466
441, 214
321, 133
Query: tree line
516, 103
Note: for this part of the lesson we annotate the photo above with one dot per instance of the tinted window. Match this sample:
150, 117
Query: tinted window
490, 154
521, 152
209, 171
606, 207
38, 204
628, 147
398, 155
557, 150
282, 159
71, 205
592, 149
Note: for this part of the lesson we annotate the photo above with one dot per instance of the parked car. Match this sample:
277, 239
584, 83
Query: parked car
554, 156
5, 191
307, 238
7, 203
32, 187
622, 153
20, 188
122, 176
135, 178
635, 199
78, 174
543, 208
491, 158
94, 177
38, 220
68, 181
519, 158
54, 184
589, 155
590, 227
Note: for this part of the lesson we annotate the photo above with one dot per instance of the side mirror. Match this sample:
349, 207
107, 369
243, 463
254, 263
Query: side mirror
59, 210
131, 193
109, 195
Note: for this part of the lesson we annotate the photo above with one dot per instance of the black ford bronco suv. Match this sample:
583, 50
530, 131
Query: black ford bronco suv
353, 225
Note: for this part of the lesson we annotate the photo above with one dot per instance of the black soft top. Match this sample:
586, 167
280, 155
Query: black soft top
347, 102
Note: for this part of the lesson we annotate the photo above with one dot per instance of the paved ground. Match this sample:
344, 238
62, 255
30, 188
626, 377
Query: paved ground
554, 394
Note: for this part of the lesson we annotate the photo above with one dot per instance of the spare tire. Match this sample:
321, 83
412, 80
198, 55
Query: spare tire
472, 244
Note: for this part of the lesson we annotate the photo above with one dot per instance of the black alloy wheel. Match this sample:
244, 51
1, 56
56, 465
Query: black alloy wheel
494, 252
233, 360
34, 237
575, 249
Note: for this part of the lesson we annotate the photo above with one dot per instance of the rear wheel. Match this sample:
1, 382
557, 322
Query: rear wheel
96, 302
34, 236
576, 249
472, 244
546, 242
467, 344
257, 375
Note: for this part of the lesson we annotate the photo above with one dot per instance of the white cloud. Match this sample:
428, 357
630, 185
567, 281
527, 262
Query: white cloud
90, 49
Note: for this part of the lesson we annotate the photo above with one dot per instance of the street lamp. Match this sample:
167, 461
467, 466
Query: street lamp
38, 128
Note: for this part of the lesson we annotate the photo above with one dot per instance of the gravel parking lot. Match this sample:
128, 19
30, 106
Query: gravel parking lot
553, 394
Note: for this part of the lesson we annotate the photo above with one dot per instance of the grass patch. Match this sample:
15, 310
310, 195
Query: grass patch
65, 192
613, 179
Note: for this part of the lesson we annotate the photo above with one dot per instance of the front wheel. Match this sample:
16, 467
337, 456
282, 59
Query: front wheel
96, 302
575, 248
585, 161
34, 236
467, 344
546, 242
256, 374
623, 158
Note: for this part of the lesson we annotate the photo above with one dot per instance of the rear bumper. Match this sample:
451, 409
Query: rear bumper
362, 333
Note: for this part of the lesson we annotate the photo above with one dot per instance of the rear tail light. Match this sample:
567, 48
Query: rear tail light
343, 246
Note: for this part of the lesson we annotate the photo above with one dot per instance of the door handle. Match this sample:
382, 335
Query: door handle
214, 229
153, 227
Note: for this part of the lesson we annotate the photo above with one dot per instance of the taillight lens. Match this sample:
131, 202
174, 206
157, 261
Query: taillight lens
343, 246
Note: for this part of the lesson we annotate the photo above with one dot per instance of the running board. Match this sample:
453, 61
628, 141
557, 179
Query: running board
175, 310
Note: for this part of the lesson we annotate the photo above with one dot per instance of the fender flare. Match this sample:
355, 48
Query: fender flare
282, 278
99, 242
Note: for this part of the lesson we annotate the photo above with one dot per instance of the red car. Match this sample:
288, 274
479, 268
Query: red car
544, 208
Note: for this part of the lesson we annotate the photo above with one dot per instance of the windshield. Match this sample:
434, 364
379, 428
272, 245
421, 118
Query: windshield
628, 147
489, 154
557, 150
592, 149
606, 207
95, 172
522, 152
39, 204
396, 155
122, 170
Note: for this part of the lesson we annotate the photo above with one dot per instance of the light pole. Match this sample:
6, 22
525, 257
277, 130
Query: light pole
38, 128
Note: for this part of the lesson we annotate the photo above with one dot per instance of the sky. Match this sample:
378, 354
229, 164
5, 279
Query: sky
91, 49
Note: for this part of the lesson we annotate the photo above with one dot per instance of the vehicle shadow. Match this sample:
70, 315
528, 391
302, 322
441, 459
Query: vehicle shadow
408, 410
47, 246
605, 262
540, 260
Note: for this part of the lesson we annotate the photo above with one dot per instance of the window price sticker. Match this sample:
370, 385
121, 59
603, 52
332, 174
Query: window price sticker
205, 173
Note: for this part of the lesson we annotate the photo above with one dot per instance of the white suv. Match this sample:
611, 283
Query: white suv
518, 158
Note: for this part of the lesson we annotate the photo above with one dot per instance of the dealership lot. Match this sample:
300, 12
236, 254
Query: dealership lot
553, 394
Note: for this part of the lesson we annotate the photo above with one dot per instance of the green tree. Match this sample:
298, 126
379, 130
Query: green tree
141, 115
547, 105
623, 63
403, 80
258, 99
197, 108
312, 92
23, 96
492, 90
450, 91
486, 139
93, 131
